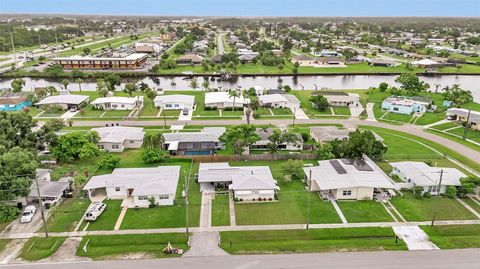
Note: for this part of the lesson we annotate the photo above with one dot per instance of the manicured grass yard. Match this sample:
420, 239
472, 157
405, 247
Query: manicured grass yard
42, 248
306, 105
413, 209
471, 134
445, 126
472, 204
170, 113
341, 110
163, 216
364, 211
88, 111
67, 215
291, 208
116, 113
109, 217
282, 111
313, 240
454, 236
3, 244
220, 211
232, 113
115, 246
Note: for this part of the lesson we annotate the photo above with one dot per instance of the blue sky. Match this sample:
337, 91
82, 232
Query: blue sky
452, 8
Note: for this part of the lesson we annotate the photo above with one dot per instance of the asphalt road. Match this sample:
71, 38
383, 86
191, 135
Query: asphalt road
352, 122
438, 259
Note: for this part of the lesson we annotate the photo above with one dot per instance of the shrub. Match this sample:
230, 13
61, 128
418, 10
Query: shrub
8, 213
305, 137
110, 161
241, 199
270, 199
152, 155
451, 191
418, 191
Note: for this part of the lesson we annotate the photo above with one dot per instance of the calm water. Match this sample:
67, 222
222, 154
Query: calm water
340, 82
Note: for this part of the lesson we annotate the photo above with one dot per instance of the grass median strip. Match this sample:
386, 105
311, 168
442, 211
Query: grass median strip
38, 248
454, 236
314, 240
100, 247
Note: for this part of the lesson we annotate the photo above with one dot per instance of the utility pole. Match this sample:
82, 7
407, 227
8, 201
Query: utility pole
467, 125
41, 207
309, 198
187, 180
293, 117
438, 193
14, 54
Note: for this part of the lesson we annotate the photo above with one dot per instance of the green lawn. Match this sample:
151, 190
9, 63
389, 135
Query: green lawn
163, 216
3, 244
364, 211
341, 110
170, 113
42, 248
220, 211
149, 108
4, 225
454, 236
306, 105
445, 126
88, 111
116, 113
471, 134
109, 217
472, 204
313, 240
282, 111
117, 246
413, 209
66, 216
232, 113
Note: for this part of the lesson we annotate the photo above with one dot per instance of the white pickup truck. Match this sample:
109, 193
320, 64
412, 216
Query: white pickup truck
94, 211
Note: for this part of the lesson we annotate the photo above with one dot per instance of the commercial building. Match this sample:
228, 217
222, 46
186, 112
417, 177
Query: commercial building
132, 61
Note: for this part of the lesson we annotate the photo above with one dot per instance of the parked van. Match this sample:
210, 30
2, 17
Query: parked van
94, 211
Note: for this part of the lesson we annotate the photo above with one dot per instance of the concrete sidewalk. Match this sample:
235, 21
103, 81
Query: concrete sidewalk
414, 237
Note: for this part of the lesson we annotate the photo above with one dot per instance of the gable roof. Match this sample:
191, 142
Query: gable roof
118, 134
73, 99
424, 175
342, 173
144, 181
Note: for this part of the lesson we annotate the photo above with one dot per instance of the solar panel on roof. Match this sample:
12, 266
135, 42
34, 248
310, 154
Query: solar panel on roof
361, 165
338, 167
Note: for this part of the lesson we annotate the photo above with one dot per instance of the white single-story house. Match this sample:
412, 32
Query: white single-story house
462, 115
66, 101
424, 63
345, 179
118, 103
264, 141
224, 100
279, 101
323, 134
51, 192
137, 185
118, 138
248, 183
175, 101
259, 90
428, 177
341, 98
205, 142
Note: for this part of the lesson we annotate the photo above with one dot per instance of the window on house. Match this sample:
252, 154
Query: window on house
347, 193
117, 188
395, 109
163, 197
142, 198
131, 141
115, 146
101, 146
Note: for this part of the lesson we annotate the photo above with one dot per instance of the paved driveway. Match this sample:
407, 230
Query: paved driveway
30, 227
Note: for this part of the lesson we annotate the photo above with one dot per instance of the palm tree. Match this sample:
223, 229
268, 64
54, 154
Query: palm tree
205, 83
252, 107
194, 83
151, 94
79, 81
437, 86
233, 94
65, 83
51, 90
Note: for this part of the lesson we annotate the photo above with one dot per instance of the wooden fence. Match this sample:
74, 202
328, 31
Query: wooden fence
251, 157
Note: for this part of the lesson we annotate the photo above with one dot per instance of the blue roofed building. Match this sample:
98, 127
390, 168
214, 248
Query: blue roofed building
406, 105
14, 103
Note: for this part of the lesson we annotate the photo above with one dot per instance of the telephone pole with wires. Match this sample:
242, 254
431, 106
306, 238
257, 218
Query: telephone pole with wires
41, 207
438, 193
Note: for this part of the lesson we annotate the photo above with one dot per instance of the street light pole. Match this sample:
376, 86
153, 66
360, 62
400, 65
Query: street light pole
309, 198
467, 125
438, 193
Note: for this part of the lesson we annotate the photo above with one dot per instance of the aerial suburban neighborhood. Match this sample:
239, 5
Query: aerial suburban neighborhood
298, 138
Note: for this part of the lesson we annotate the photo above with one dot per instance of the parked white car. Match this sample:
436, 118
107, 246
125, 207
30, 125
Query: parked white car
28, 213
94, 211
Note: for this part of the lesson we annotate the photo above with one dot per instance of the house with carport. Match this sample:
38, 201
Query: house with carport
175, 102
222, 100
428, 177
205, 142
347, 179
65, 101
279, 101
118, 103
137, 187
248, 183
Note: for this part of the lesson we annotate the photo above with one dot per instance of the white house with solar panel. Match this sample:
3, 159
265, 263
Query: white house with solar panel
346, 179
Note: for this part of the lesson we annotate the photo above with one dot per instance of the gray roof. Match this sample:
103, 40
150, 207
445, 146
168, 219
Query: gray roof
328, 133
49, 188
118, 134
71, 99
341, 174
208, 134
144, 181
424, 175
474, 115
240, 176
